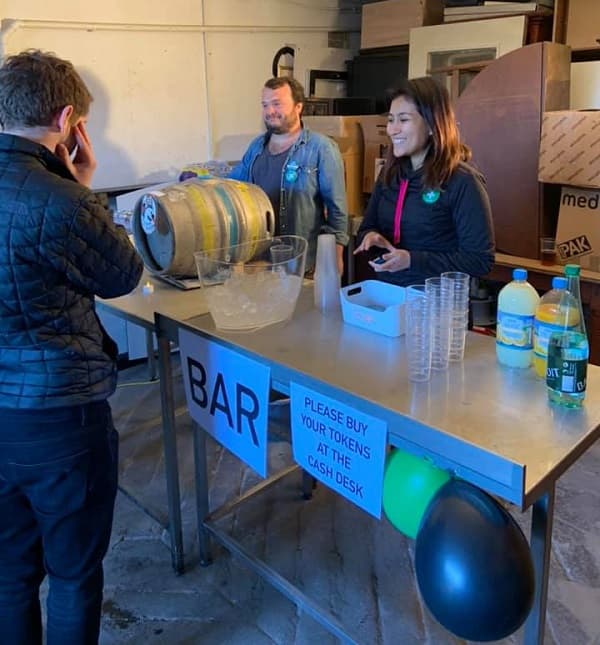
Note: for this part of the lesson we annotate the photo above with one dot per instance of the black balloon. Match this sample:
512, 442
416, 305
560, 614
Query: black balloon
473, 564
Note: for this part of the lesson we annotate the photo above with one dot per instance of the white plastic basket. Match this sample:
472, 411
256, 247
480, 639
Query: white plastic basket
374, 305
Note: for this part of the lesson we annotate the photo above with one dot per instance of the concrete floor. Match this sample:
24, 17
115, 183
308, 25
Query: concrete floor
359, 568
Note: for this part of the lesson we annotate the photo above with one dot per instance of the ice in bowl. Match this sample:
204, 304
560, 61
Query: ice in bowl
252, 285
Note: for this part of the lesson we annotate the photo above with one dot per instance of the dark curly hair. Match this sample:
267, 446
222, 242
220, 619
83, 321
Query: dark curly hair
295, 87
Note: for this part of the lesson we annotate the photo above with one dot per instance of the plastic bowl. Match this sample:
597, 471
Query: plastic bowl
252, 285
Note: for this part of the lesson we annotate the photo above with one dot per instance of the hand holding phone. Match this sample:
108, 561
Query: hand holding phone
80, 160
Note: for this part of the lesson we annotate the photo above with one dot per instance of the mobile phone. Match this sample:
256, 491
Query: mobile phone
379, 260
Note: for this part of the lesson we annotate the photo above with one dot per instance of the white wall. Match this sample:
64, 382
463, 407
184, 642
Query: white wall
239, 58
179, 81
235, 82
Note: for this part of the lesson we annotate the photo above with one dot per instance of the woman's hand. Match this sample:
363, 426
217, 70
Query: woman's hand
394, 260
373, 238
83, 165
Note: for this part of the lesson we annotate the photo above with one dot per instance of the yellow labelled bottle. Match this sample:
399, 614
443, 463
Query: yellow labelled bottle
517, 302
556, 312
569, 350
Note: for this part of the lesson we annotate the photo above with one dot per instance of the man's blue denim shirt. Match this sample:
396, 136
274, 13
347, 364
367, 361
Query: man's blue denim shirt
313, 194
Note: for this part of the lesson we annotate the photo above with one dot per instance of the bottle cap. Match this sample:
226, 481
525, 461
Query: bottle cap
558, 282
520, 274
572, 270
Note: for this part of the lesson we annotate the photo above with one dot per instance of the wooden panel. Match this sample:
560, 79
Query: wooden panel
387, 24
559, 25
556, 77
583, 24
500, 118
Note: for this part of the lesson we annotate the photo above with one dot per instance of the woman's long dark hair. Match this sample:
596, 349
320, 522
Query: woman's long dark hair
446, 151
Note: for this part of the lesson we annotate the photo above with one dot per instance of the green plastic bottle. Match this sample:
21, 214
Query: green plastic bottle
569, 350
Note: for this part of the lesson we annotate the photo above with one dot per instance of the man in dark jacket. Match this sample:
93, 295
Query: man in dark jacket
58, 448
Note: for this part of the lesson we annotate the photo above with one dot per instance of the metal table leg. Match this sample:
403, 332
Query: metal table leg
541, 545
201, 477
170, 448
150, 354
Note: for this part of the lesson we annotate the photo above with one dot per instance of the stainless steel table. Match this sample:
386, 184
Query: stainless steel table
490, 425
139, 307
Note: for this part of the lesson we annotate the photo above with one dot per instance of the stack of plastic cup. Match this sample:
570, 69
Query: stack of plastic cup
418, 333
459, 316
438, 292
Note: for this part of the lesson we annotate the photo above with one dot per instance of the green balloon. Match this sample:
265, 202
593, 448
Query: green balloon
409, 484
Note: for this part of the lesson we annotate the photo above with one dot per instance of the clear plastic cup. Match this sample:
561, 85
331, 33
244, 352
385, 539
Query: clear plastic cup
438, 291
281, 253
418, 333
460, 287
458, 336
459, 317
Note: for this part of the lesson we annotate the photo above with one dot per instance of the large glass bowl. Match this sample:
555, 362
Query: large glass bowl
252, 285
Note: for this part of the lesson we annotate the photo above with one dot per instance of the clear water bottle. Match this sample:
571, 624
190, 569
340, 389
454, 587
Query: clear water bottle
569, 350
327, 277
517, 302
555, 312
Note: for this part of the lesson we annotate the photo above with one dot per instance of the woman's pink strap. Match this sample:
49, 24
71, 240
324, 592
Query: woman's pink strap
399, 207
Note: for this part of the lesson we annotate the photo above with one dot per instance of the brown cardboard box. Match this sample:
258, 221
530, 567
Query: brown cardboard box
347, 133
570, 148
376, 142
578, 233
387, 23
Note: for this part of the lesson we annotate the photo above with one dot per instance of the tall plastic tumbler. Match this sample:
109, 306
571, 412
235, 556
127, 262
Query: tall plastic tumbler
460, 284
418, 333
327, 278
438, 291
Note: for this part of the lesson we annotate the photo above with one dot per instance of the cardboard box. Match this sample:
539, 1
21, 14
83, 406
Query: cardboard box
570, 148
388, 23
578, 233
376, 143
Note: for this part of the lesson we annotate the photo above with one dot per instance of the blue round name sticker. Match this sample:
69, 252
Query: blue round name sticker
291, 172
431, 196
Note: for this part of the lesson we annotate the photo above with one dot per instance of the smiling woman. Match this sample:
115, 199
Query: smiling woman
408, 131
429, 210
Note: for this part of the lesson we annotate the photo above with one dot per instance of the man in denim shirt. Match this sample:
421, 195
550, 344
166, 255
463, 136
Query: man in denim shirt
300, 171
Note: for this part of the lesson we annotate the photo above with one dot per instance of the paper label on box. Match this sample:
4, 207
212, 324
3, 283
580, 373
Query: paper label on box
578, 234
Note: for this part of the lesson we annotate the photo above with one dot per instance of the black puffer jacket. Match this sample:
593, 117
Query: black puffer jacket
58, 249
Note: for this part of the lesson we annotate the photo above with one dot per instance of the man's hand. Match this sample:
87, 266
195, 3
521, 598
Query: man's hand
83, 165
373, 238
